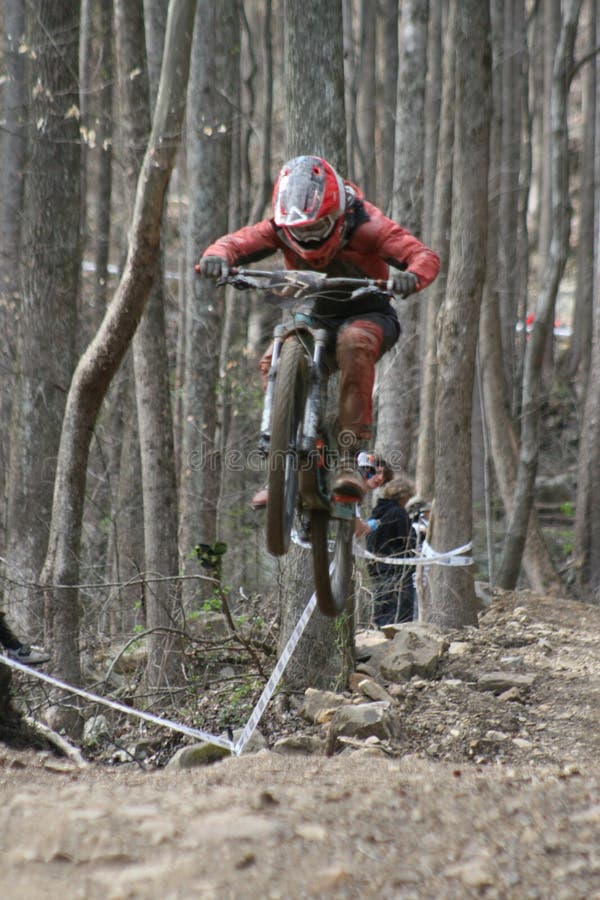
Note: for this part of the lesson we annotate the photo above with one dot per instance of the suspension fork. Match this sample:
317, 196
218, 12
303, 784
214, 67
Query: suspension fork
265, 423
313, 401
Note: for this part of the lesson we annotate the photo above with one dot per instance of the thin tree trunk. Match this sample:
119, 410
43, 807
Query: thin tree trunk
48, 313
544, 312
104, 148
263, 194
209, 148
325, 654
452, 602
438, 15
365, 106
151, 365
13, 146
388, 56
580, 346
398, 408
101, 360
537, 563
587, 515
440, 241
508, 204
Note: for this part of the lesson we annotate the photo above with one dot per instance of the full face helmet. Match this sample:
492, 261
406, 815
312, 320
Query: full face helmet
309, 203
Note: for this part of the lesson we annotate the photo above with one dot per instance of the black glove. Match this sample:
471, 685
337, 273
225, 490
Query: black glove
213, 267
402, 283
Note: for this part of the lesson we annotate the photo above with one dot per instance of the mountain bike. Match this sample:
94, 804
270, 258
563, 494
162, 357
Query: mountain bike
296, 433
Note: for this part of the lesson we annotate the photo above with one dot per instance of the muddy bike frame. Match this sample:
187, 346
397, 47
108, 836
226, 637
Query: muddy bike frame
293, 431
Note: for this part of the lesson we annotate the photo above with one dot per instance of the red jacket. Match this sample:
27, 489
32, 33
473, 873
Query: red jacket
373, 243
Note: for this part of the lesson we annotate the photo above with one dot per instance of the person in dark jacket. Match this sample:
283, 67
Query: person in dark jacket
390, 534
322, 222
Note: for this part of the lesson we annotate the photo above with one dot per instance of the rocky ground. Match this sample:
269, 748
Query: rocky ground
460, 765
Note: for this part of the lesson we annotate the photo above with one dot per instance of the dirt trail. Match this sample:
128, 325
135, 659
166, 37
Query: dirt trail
483, 798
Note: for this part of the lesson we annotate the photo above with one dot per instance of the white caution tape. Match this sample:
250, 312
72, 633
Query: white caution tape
275, 676
449, 558
113, 704
237, 747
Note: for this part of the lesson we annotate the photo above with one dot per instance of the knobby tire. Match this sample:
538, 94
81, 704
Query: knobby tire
286, 423
331, 587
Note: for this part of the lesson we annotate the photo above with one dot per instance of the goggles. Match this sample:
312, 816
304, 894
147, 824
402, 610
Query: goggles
315, 231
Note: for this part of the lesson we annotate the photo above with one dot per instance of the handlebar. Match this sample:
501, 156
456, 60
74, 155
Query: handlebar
299, 284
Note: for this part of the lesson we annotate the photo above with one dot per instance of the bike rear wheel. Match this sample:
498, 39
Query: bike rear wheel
331, 586
286, 425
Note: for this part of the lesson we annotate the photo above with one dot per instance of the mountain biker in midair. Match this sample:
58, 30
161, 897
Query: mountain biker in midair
322, 222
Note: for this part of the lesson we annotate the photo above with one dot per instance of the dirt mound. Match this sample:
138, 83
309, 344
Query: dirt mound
491, 788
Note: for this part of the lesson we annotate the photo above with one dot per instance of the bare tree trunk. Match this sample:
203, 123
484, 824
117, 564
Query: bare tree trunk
440, 240
104, 150
438, 15
151, 364
101, 360
544, 312
580, 345
509, 62
209, 147
351, 75
125, 555
587, 516
388, 56
314, 69
398, 408
155, 27
550, 16
13, 145
452, 594
538, 565
365, 105
265, 184
50, 279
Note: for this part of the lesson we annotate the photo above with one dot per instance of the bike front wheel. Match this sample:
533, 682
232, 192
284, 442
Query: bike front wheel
332, 578
286, 428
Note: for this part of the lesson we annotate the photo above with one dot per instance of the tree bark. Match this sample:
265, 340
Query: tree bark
539, 569
314, 68
50, 283
509, 64
209, 147
452, 593
398, 409
440, 241
587, 514
159, 484
13, 146
544, 312
102, 358
388, 55
365, 104
580, 347
104, 151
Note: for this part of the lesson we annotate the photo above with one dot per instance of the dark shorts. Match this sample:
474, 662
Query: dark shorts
388, 322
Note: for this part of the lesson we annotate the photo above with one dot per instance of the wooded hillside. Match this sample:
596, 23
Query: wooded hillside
133, 134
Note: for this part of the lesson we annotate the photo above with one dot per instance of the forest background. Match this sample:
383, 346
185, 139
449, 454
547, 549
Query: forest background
134, 133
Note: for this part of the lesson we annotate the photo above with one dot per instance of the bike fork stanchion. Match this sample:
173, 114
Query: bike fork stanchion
311, 413
265, 424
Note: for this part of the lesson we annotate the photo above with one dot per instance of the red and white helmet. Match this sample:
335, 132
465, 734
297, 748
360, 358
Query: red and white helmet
309, 204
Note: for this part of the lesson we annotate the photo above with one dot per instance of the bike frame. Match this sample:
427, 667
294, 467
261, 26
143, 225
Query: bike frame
313, 450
